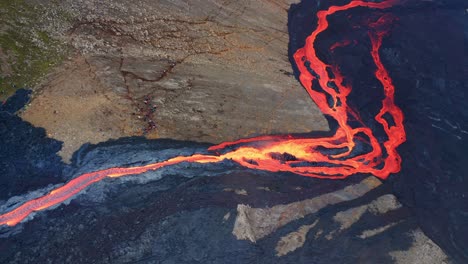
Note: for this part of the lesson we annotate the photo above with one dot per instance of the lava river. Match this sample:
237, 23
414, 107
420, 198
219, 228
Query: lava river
332, 157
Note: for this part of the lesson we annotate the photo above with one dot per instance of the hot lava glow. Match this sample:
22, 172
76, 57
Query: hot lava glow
330, 157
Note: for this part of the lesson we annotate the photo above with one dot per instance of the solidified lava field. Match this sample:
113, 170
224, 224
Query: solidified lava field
383, 186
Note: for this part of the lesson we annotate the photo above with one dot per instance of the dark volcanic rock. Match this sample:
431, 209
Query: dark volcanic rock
223, 213
424, 56
434, 181
187, 214
16, 101
28, 158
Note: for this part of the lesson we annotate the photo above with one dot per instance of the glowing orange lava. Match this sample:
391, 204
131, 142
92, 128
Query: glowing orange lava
300, 155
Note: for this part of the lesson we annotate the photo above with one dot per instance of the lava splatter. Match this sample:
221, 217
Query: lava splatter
330, 157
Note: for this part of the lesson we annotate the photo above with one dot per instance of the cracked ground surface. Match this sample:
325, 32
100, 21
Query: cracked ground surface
206, 71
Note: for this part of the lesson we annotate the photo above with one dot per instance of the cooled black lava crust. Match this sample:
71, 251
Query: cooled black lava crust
424, 55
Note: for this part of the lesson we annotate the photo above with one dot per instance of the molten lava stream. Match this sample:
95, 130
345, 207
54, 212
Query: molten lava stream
288, 153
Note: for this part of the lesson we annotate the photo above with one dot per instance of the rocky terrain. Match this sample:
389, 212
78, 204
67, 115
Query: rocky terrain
429, 75
219, 213
208, 71
219, 70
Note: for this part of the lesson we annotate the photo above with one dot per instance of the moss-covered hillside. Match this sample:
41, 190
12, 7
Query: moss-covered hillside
27, 51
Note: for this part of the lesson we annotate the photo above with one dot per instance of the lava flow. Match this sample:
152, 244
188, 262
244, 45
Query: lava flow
330, 157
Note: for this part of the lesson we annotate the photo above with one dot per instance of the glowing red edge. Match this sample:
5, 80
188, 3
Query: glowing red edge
262, 156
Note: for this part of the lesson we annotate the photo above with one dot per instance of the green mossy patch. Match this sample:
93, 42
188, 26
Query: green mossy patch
27, 52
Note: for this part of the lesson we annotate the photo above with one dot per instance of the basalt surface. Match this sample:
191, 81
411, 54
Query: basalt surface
223, 213
219, 213
428, 72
